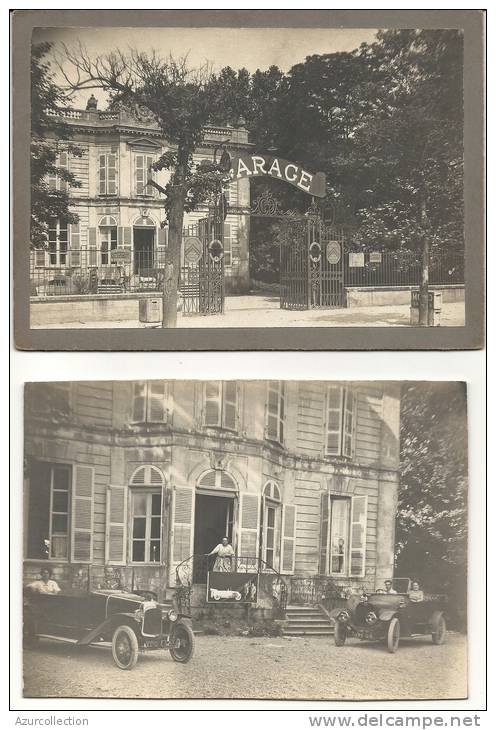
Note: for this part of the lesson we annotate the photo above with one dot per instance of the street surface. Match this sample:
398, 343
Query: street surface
264, 311
257, 668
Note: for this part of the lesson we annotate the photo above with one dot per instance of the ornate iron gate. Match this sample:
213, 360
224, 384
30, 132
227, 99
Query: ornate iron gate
202, 267
311, 256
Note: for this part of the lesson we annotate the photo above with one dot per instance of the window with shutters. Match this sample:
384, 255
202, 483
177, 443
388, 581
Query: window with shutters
56, 183
221, 404
108, 242
275, 411
142, 173
340, 421
107, 173
150, 401
145, 518
49, 511
342, 536
271, 524
58, 242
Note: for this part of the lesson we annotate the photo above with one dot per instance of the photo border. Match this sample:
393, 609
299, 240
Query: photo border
469, 336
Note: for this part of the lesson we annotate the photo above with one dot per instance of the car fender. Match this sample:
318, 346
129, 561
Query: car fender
116, 619
386, 614
336, 611
434, 618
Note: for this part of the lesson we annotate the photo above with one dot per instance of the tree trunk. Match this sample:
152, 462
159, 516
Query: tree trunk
424, 275
172, 269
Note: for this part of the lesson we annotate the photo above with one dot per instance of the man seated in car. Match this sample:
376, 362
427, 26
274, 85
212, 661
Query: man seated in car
415, 594
45, 584
389, 586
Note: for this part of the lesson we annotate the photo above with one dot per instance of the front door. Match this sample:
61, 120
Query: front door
144, 244
214, 517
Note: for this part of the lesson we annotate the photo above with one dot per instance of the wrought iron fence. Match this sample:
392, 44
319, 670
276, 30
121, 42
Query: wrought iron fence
401, 268
194, 570
91, 271
317, 589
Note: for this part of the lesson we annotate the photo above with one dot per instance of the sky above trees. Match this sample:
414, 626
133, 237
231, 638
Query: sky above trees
250, 48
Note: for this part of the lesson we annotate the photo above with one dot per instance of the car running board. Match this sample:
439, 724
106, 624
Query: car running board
64, 640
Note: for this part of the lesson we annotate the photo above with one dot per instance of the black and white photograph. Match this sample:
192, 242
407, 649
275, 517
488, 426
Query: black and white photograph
245, 539
269, 177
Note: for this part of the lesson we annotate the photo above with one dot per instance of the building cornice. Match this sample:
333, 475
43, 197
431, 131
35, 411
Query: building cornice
164, 436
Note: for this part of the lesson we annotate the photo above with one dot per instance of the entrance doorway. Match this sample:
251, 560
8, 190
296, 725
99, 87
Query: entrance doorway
144, 244
214, 520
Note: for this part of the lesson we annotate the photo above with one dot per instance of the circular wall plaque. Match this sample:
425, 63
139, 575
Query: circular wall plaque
333, 252
193, 249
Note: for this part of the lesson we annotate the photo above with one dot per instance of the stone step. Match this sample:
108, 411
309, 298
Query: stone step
308, 624
329, 631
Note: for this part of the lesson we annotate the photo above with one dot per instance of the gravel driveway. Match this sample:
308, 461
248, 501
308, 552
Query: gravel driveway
238, 667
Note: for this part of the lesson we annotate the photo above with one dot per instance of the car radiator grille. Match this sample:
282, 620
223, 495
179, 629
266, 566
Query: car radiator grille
152, 622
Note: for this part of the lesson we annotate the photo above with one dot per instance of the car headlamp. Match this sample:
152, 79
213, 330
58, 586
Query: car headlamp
139, 614
371, 617
343, 616
172, 615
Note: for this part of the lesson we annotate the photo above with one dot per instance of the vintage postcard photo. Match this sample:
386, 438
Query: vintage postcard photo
247, 177
245, 539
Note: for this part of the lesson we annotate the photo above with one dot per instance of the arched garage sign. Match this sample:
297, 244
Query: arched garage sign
277, 167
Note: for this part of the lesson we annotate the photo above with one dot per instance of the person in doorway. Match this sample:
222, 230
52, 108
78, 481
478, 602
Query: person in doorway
389, 586
45, 584
224, 554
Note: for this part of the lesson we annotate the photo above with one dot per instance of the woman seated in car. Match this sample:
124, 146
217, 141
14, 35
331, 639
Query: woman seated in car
415, 594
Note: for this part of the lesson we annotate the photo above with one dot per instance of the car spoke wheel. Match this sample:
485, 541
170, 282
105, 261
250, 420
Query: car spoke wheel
439, 633
125, 647
339, 633
393, 635
182, 643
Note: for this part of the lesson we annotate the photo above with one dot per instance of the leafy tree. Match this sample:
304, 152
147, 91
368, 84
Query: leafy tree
409, 149
431, 526
183, 102
49, 135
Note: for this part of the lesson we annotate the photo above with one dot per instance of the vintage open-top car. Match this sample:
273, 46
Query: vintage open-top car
126, 622
381, 616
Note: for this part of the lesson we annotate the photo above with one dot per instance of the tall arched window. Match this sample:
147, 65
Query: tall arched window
108, 238
340, 421
271, 524
146, 514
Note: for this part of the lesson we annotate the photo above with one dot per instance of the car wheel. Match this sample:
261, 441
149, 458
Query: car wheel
125, 647
439, 633
182, 643
339, 633
393, 635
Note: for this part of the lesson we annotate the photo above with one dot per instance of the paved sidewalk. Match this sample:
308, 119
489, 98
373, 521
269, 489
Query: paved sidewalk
264, 311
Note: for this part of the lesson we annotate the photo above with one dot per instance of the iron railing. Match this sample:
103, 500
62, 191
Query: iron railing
91, 271
194, 570
401, 268
317, 589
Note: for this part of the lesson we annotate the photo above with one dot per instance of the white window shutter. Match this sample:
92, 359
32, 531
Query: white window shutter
358, 536
92, 252
82, 514
334, 420
157, 410
230, 405
325, 524
116, 526
288, 543
75, 244
63, 185
139, 402
249, 529
349, 418
272, 421
102, 174
111, 174
183, 515
140, 174
149, 175
213, 403
40, 257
